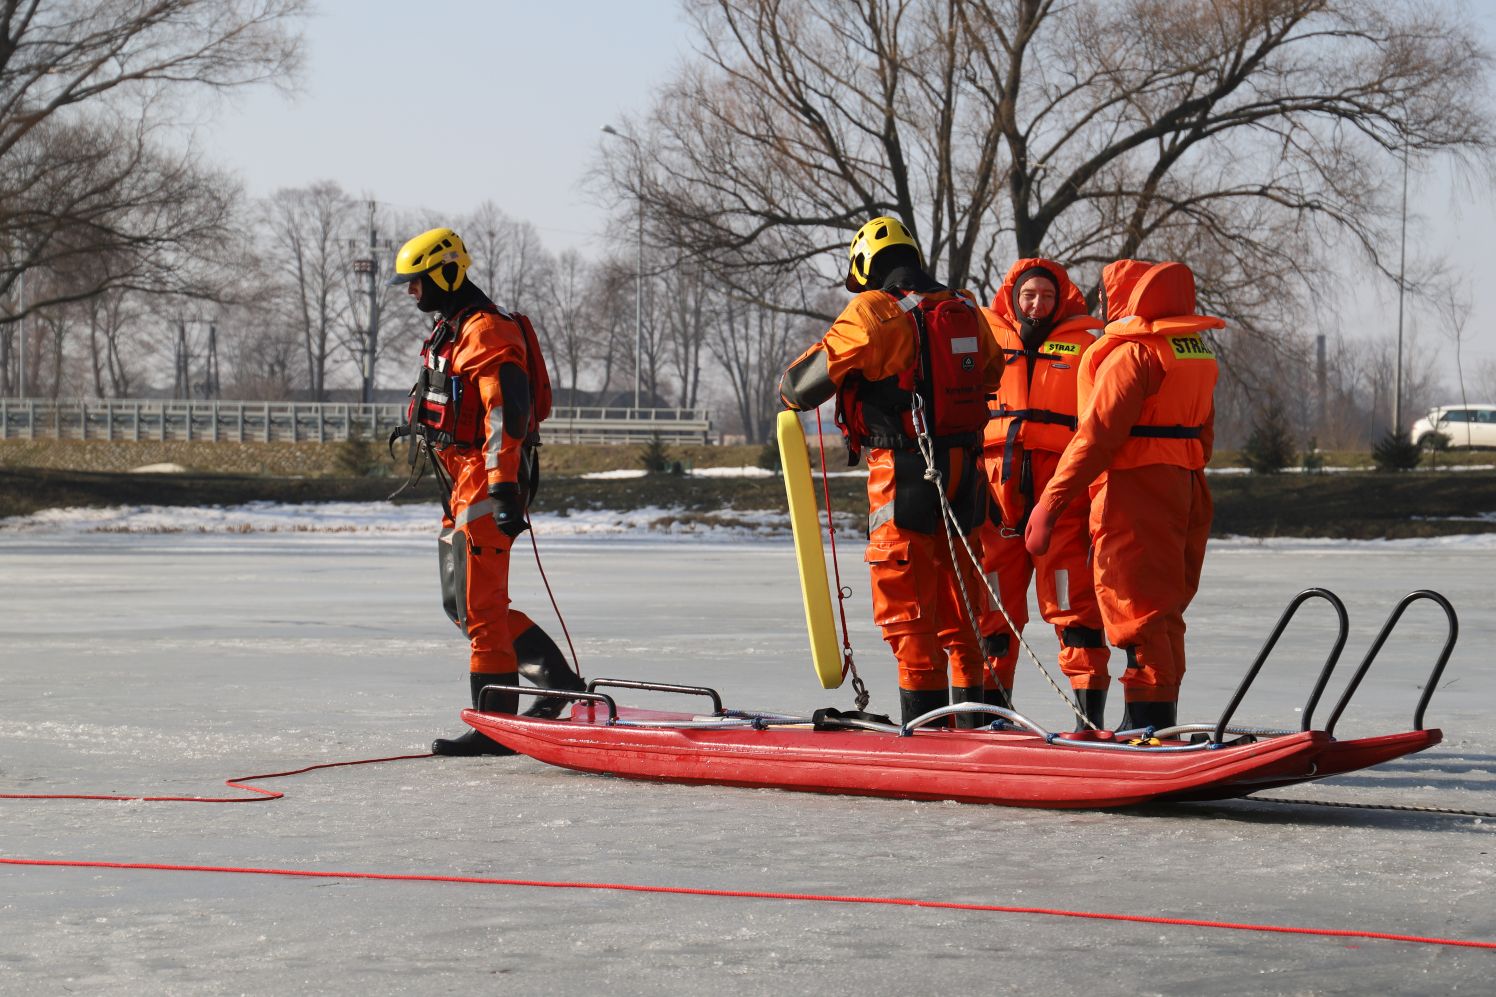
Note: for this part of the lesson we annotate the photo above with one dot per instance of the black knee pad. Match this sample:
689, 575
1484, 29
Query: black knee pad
997, 645
1082, 637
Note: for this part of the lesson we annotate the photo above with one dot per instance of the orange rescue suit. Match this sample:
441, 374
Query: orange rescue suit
1033, 419
916, 602
1147, 425
474, 551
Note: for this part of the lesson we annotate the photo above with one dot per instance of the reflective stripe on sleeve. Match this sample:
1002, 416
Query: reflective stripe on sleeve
479, 509
495, 440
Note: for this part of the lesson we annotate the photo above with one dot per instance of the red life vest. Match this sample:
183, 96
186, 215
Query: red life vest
946, 377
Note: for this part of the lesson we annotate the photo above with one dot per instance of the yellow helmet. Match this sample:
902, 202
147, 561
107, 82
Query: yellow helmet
872, 238
430, 253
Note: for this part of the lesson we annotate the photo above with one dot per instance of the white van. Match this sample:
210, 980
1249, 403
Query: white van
1466, 425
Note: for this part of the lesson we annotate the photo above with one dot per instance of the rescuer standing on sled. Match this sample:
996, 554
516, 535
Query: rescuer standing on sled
474, 415
1043, 325
906, 340
1147, 425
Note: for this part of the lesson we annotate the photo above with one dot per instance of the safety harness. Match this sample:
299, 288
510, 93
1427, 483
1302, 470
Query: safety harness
438, 415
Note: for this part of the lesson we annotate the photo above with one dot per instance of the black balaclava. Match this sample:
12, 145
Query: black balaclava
1033, 330
449, 303
897, 269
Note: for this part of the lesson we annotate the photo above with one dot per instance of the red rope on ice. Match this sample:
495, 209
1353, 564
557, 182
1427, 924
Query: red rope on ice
761, 895
238, 782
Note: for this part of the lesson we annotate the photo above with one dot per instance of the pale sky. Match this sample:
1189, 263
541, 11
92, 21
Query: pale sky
443, 105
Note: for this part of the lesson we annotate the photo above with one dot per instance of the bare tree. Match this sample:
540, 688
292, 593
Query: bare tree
688, 308
1484, 380
1453, 309
612, 321
112, 318
566, 325
509, 260
82, 84
263, 356
752, 341
1241, 135
310, 230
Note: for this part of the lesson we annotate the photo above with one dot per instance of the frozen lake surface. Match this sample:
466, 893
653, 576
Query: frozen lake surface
144, 663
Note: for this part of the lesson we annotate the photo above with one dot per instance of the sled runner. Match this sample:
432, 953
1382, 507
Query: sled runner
1014, 762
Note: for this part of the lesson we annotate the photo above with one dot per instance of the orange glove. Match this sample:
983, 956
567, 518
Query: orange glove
1040, 529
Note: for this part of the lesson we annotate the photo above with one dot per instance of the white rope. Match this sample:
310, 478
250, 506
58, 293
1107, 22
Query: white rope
952, 526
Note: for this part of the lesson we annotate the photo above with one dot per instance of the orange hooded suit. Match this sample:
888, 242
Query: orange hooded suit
1147, 425
1033, 419
915, 599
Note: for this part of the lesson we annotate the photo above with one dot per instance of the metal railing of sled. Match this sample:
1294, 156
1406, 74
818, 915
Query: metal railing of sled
1343, 630
310, 422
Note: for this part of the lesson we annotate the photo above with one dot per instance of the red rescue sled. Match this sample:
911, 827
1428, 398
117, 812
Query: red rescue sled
1014, 762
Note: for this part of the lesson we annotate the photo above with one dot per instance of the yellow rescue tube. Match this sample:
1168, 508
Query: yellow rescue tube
810, 553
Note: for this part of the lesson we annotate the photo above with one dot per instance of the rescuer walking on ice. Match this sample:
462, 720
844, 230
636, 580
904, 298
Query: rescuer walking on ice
905, 340
1147, 425
475, 415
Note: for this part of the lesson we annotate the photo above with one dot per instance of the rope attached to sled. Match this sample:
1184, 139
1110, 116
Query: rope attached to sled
849, 667
952, 524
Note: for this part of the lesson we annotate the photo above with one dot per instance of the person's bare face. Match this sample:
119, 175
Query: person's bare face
414, 289
1036, 298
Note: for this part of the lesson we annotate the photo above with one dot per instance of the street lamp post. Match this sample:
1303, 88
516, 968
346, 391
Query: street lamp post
1401, 285
638, 273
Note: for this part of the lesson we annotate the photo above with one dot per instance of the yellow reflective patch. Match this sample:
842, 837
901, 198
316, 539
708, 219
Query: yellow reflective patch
1063, 349
1190, 348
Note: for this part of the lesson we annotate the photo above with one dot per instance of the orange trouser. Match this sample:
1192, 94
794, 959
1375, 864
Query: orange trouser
1149, 526
918, 606
1067, 598
475, 592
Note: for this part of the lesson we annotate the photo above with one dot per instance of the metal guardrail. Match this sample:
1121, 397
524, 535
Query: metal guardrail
310, 422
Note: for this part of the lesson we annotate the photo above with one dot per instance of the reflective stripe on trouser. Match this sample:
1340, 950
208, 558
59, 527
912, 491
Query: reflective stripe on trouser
1150, 526
918, 607
475, 591
1064, 591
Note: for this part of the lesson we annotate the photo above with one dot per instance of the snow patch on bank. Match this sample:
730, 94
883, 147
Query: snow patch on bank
422, 519
387, 518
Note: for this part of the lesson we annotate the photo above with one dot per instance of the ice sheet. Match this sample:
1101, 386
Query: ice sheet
165, 662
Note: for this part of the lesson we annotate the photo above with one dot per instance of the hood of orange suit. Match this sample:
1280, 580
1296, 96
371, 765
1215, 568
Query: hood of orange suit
1160, 300
1118, 279
1163, 291
1069, 302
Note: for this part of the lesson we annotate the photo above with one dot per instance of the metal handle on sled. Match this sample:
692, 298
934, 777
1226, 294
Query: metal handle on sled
1376, 647
526, 690
690, 690
1272, 641
1013, 717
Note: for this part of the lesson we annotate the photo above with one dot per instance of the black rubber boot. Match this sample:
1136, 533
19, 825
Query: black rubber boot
969, 694
1148, 714
998, 697
1092, 703
474, 743
917, 702
542, 664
